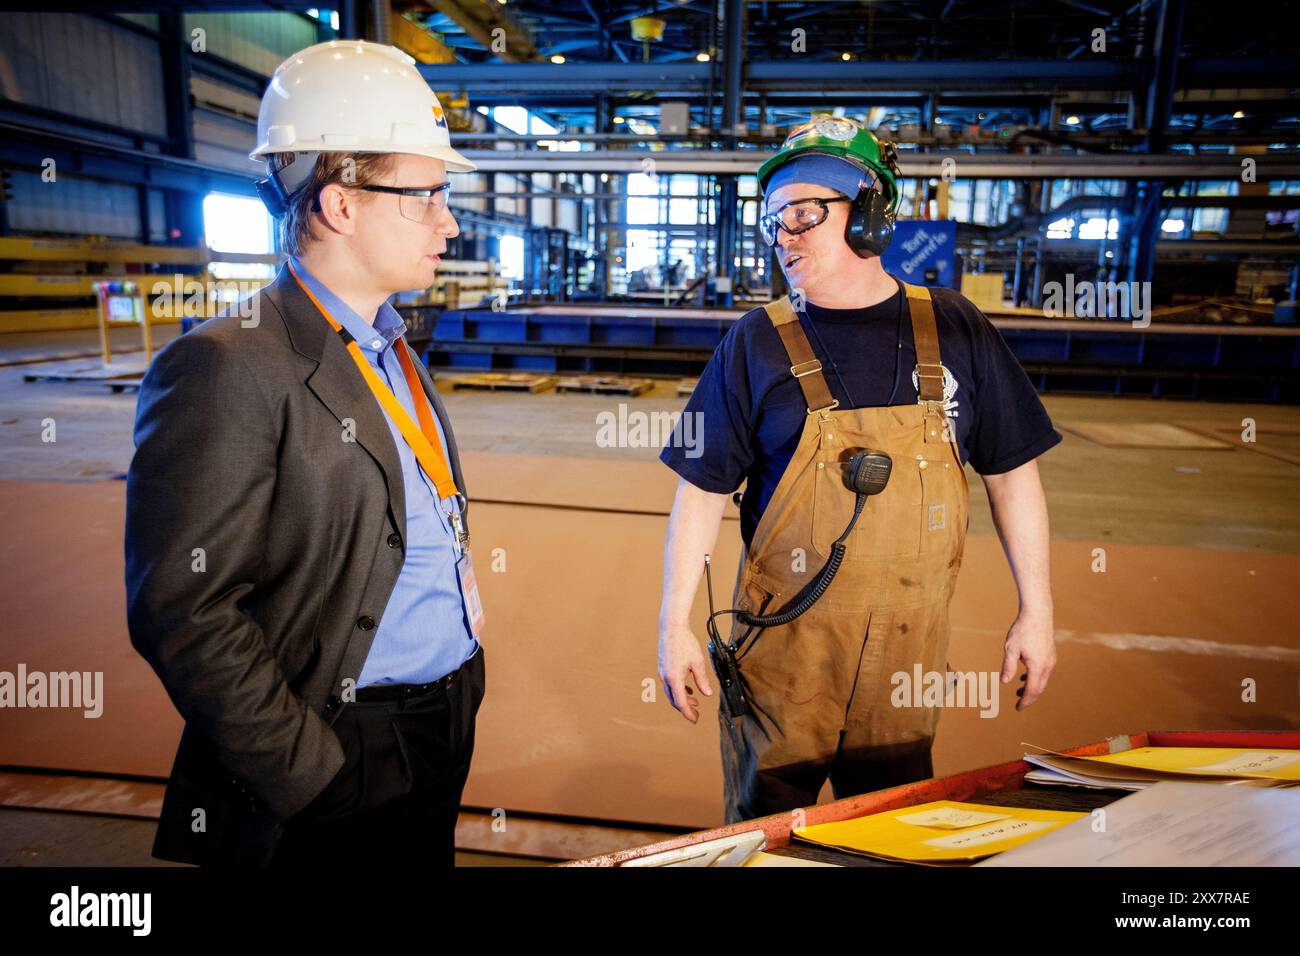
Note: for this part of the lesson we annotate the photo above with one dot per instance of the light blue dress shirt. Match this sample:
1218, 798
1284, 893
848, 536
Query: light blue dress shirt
424, 632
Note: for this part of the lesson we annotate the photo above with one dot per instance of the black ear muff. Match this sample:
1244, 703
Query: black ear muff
870, 227
271, 192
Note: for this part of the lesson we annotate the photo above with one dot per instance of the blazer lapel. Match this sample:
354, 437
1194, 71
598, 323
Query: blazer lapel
338, 384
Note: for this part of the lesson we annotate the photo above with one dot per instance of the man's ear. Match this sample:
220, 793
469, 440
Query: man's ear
338, 209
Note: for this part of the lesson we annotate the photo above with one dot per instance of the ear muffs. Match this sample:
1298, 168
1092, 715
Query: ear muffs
870, 226
272, 194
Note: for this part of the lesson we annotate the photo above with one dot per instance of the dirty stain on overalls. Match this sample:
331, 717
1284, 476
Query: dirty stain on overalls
820, 686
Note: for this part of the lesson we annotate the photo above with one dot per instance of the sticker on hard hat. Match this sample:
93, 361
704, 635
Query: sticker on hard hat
837, 129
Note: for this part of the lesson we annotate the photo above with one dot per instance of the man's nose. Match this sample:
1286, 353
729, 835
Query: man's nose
449, 220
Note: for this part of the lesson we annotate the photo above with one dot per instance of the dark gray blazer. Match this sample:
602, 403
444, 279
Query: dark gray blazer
242, 452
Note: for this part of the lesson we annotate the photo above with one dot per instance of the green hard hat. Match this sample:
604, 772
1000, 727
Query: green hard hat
844, 138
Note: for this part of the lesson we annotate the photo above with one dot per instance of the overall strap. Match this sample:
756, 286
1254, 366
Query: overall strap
804, 365
929, 371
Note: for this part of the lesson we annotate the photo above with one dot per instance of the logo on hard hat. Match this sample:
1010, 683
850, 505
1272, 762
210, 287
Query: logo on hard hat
438, 116
837, 129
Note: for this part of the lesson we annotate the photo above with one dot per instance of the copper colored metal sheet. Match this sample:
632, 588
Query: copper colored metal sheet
1143, 435
1163, 638
81, 794
1278, 440
571, 482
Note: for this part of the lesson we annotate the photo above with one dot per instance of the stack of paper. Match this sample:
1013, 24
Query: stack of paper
1176, 823
938, 833
1140, 768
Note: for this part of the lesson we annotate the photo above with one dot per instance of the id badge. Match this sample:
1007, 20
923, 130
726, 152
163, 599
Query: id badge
469, 588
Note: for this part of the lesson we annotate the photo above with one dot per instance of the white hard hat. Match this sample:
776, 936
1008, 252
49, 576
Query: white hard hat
353, 96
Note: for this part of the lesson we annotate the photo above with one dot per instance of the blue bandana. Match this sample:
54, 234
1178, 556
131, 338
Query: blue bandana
820, 169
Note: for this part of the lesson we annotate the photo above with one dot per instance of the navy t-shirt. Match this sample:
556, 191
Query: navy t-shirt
753, 411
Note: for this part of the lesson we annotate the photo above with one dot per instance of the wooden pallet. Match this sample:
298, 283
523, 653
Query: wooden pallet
686, 386
506, 381
605, 384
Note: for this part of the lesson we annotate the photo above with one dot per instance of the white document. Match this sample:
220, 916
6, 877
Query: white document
1255, 761
1060, 778
725, 851
950, 818
992, 833
1175, 823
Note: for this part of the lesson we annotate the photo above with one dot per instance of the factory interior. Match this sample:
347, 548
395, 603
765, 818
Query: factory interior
610, 239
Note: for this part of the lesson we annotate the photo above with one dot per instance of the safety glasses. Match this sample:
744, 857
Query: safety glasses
795, 217
418, 204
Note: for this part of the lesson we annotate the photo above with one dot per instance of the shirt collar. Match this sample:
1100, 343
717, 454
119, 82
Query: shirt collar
388, 327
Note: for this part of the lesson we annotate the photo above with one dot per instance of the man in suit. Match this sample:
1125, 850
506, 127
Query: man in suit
297, 561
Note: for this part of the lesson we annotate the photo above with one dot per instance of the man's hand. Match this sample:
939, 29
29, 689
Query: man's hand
1031, 639
681, 664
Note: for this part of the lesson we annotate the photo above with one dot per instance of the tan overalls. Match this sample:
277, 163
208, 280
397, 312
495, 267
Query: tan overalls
820, 687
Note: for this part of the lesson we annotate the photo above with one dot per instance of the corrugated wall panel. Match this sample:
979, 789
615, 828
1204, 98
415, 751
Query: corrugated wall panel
225, 142
84, 67
149, 20
259, 41
157, 217
225, 126
73, 207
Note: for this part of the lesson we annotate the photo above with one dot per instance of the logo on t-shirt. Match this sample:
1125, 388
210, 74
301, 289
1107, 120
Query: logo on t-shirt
949, 390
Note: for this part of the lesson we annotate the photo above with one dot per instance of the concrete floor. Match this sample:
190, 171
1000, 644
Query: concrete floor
1170, 505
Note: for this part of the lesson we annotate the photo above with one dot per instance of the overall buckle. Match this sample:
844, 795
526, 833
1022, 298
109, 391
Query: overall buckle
924, 365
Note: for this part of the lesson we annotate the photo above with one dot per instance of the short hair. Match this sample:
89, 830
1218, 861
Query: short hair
349, 169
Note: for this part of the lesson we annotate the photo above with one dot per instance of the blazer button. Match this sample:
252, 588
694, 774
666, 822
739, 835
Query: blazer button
366, 622
394, 540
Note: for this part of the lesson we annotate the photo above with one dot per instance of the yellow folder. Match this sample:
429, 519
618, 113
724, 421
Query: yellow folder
936, 833
1211, 761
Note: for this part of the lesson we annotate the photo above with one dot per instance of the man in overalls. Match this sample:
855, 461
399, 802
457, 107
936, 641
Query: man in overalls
851, 360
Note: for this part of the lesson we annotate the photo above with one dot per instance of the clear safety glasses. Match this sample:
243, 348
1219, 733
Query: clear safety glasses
421, 204
795, 217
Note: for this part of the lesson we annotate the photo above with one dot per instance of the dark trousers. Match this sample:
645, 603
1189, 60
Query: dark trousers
411, 756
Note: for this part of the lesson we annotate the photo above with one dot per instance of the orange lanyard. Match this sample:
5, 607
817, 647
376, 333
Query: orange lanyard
424, 441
